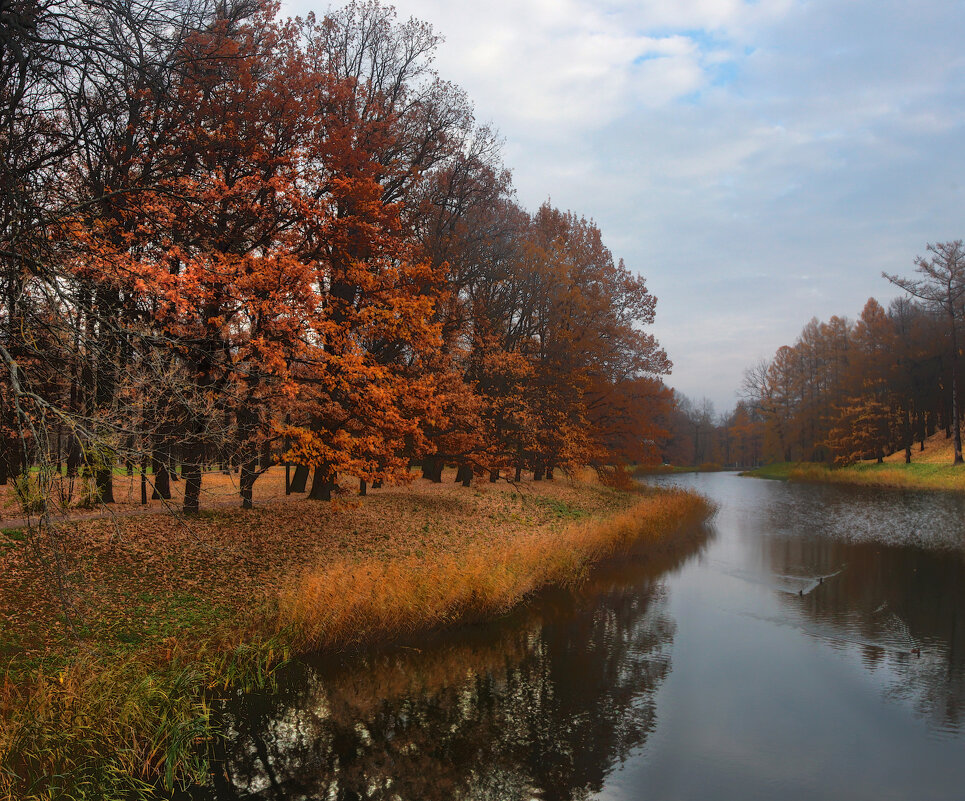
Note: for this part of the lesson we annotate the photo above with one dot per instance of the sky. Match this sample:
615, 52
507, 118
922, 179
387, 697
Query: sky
759, 162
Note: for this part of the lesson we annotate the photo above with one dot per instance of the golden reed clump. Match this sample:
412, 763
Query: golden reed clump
350, 601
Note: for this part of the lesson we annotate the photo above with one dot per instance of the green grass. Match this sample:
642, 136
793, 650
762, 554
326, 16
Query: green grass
154, 618
561, 509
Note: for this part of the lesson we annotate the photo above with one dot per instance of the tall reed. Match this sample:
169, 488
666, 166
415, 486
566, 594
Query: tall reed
924, 476
98, 730
350, 601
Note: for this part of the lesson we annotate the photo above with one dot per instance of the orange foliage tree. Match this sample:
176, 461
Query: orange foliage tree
290, 240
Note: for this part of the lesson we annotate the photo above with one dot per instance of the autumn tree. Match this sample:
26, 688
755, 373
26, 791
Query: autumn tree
942, 287
860, 430
225, 236
383, 121
892, 374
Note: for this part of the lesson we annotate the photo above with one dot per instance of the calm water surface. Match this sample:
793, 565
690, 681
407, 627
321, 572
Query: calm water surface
809, 644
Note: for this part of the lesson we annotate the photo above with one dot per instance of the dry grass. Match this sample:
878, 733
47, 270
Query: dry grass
347, 601
396, 673
125, 729
930, 469
53, 742
914, 476
938, 450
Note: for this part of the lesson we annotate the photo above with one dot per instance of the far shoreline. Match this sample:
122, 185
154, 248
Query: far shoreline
887, 475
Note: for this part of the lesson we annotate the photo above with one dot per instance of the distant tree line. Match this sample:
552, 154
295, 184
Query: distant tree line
228, 239
699, 437
852, 390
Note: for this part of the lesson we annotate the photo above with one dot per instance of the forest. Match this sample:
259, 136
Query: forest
229, 240
848, 390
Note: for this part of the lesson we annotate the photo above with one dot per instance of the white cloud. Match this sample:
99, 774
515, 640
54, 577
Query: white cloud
726, 147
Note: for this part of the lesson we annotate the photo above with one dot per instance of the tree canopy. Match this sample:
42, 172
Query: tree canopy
228, 238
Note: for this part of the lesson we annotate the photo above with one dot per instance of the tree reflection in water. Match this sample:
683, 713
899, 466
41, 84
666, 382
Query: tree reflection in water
540, 705
899, 608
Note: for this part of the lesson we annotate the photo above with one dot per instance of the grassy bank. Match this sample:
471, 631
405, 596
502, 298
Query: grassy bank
895, 475
106, 678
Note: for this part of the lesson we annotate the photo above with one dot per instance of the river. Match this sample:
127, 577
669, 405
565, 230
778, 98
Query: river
809, 643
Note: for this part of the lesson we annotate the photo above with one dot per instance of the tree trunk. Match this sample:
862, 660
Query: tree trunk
377, 484
10, 447
464, 475
191, 473
300, 479
323, 482
432, 467
249, 472
192, 487
104, 483
956, 422
248, 419
60, 438
162, 479
362, 487
11, 459
909, 436
73, 457
493, 476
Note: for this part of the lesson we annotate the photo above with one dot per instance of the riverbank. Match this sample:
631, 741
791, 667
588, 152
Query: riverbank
894, 475
642, 471
107, 674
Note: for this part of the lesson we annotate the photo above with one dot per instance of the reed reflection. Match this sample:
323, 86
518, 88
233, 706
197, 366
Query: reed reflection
540, 705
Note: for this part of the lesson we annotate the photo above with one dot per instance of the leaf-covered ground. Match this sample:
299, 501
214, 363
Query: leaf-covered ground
152, 584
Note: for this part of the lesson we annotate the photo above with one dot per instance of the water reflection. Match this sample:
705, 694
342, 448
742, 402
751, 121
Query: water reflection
929, 520
877, 575
815, 649
900, 609
540, 705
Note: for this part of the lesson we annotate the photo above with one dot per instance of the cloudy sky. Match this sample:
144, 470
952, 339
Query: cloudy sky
760, 163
